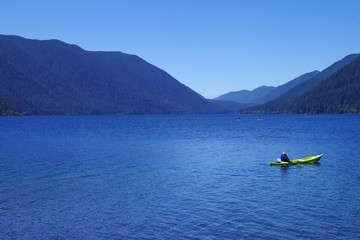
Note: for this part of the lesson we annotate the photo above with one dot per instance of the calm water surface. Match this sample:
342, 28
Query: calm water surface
179, 177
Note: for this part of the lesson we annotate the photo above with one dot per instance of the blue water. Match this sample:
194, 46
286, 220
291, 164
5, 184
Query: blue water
179, 177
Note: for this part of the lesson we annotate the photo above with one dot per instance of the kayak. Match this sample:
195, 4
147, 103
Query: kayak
307, 160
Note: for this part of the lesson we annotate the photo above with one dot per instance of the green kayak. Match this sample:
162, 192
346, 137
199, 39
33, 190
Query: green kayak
309, 160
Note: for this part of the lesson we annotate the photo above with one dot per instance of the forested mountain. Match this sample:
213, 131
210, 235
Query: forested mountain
246, 96
337, 93
52, 77
282, 89
311, 83
233, 107
264, 94
8, 109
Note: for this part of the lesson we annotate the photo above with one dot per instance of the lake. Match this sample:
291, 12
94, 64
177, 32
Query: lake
179, 177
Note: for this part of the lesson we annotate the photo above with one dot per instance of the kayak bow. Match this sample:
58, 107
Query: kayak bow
307, 160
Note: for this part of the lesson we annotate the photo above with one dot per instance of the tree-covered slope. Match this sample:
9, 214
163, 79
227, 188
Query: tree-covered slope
282, 89
264, 94
246, 96
338, 93
52, 77
309, 84
7, 109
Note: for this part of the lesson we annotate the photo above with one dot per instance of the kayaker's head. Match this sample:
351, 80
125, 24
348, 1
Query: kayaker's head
284, 152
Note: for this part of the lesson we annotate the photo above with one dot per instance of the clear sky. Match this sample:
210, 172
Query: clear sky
212, 46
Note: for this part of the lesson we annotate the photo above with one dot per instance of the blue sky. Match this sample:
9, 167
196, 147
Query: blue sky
211, 46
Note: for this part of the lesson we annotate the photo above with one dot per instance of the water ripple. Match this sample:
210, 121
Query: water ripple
178, 177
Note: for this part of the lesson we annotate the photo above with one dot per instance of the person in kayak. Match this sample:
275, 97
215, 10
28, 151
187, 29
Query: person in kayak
284, 157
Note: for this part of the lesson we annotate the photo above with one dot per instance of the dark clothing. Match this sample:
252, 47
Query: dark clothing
284, 158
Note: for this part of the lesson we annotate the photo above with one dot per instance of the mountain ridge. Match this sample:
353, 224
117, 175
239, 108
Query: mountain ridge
337, 92
284, 97
311, 83
53, 77
264, 93
282, 89
246, 96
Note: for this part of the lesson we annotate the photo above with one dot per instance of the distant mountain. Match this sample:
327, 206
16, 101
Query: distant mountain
264, 94
233, 107
245, 96
52, 77
336, 93
312, 82
282, 89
